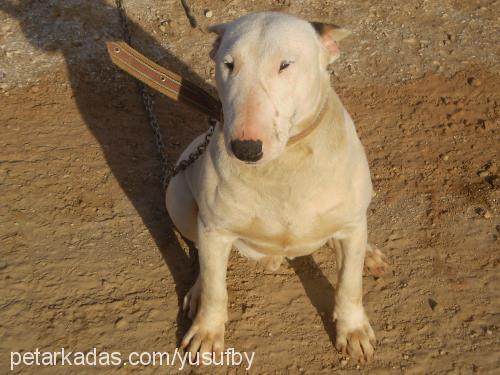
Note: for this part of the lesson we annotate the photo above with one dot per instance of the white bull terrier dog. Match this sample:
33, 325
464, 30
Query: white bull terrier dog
282, 176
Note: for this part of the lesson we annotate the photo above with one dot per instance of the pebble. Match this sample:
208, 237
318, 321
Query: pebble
406, 356
483, 212
343, 362
432, 303
121, 323
474, 81
209, 14
163, 29
410, 40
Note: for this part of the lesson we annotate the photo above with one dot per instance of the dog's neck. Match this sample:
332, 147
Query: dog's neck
308, 126
326, 123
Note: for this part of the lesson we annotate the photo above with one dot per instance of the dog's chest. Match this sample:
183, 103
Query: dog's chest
285, 217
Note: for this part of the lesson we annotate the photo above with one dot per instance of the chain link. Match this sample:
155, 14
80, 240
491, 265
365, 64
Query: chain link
166, 172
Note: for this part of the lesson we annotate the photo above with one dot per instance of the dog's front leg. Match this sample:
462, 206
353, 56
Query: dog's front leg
354, 333
206, 333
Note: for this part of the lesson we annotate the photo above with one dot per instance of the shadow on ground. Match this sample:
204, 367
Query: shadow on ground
319, 290
117, 121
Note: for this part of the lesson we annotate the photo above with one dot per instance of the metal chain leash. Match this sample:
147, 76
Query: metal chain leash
166, 172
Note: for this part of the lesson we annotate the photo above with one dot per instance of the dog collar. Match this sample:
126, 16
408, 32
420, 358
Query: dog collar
309, 129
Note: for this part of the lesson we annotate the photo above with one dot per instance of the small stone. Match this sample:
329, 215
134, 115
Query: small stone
442, 352
121, 323
483, 212
445, 157
343, 362
163, 29
479, 210
35, 89
432, 303
410, 40
209, 14
270, 334
474, 81
406, 356
489, 332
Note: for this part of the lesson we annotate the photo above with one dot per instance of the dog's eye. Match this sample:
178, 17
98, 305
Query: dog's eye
284, 65
229, 63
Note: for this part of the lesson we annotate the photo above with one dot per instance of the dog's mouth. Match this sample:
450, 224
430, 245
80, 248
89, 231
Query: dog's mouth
250, 161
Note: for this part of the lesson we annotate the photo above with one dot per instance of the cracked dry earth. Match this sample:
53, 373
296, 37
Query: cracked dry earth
88, 257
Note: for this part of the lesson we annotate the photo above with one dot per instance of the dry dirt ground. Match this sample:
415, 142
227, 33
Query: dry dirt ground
88, 258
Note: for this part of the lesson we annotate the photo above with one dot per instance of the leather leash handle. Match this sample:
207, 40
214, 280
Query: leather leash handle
163, 80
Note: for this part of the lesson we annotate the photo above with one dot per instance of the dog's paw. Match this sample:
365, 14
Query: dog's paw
204, 336
355, 339
191, 301
375, 262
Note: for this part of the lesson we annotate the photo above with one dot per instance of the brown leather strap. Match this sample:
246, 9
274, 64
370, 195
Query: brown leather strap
162, 80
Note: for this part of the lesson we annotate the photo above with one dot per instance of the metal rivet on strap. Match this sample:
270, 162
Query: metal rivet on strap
162, 78
117, 49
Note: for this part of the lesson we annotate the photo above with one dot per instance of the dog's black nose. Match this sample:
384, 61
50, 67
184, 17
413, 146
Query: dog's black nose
247, 150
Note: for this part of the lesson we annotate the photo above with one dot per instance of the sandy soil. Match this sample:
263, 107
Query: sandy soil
88, 257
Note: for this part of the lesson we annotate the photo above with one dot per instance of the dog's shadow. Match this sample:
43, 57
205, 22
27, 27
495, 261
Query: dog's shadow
56, 28
319, 290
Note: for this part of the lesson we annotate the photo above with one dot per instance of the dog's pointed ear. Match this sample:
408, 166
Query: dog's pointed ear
219, 30
330, 35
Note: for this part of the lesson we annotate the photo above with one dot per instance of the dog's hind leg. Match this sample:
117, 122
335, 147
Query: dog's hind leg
182, 207
375, 261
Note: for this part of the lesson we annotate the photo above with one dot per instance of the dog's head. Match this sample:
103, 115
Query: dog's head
270, 75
